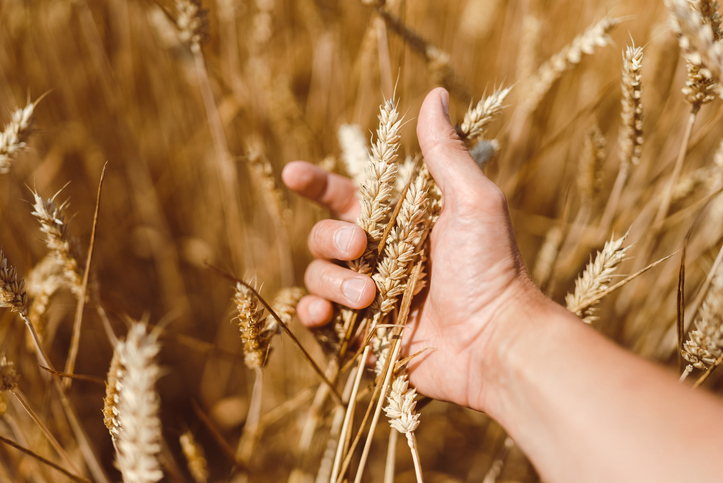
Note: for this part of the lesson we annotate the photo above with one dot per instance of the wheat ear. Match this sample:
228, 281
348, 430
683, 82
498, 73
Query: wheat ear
479, 116
61, 244
354, 152
705, 343
139, 437
376, 193
590, 177
195, 456
631, 136
596, 278
699, 87
402, 416
697, 40
13, 140
112, 388
568, 57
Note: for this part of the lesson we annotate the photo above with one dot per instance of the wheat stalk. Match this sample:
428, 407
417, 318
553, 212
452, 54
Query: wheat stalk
139, 437
568, 57
13, 140
596, 278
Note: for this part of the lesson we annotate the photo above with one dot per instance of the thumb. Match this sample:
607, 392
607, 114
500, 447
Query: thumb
446, 155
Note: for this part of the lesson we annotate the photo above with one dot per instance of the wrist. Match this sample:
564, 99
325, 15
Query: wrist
522, 331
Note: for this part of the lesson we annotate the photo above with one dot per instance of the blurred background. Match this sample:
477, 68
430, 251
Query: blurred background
195, 141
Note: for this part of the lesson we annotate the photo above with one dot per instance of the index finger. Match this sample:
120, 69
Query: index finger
335, 192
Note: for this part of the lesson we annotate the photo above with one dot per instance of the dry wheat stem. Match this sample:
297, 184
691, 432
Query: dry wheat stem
389, 467
83, 289
226, 172
325, 467
388, 370
596, 278
43, 460
250, 432
438, 61
667, 196
140, 435
195, 456
496, 468
54, 442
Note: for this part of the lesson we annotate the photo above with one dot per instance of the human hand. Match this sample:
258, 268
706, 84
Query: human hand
477, 279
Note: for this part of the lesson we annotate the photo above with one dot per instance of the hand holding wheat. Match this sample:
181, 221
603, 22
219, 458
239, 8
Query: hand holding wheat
477, 277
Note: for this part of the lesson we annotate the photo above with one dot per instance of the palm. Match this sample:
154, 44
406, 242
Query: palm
474, 262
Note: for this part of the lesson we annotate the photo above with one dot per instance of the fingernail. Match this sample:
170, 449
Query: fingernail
343, 239
353, 289
445, 102
317, 310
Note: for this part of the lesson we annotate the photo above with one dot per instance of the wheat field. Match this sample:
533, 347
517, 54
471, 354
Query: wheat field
145, 231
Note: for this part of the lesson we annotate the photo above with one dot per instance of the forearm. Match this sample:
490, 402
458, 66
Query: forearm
584, 409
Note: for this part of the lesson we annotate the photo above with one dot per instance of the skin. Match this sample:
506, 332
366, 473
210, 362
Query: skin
581, 408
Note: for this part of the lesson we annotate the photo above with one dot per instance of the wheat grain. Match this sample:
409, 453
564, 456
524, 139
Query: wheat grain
596, 278
631, 135
568, 57
140, 436
195, 456
479, 116
13, 140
